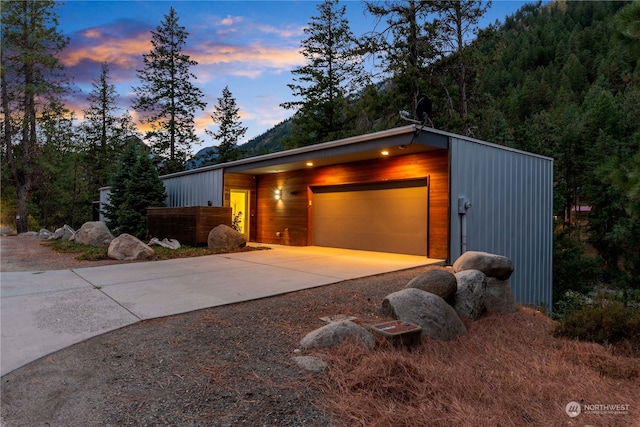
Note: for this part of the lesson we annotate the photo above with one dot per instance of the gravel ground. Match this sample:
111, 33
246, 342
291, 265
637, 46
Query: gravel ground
224, 366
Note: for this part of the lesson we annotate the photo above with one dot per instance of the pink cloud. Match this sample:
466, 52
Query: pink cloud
248, 60
230, 20
291, 31
123, 52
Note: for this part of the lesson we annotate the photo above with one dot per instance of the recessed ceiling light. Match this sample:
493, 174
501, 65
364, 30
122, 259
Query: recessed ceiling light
309, 163
384, 152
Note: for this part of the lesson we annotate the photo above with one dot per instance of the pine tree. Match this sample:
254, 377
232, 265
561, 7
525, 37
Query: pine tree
333, 71
30, 82
458, 21
105, 133
405, 45
63, 196
135, 186
230, 129
167, 98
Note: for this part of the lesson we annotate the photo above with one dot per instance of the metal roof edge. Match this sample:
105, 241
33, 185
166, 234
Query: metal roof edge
301, 150
490, 144
348, 141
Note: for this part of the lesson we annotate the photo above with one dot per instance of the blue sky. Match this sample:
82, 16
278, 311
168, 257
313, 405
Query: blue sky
250, 46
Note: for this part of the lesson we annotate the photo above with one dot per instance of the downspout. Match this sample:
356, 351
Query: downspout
463, 206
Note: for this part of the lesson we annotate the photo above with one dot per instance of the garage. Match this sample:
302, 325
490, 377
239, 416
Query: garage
389, 216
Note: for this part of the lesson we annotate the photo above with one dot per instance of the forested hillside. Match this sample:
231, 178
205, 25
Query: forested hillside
564, 81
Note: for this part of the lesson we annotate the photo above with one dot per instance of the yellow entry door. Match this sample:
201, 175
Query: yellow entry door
239, 202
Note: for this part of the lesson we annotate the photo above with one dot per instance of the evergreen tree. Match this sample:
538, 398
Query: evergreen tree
167, 98
135, 186
333, 71
104, 132
63, 196
405, 46
30, 82
230, 129
458, 20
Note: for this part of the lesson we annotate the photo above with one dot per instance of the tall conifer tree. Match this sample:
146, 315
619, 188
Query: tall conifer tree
105, 133
404, 42
230, 129
167, 99
31, 83
457, 24
333, 70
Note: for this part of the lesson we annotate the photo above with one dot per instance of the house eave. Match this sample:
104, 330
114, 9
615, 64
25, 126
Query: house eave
398, 141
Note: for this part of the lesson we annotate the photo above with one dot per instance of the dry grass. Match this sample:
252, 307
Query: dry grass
508, 370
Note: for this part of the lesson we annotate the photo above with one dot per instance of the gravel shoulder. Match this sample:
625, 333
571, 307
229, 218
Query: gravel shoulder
223, 366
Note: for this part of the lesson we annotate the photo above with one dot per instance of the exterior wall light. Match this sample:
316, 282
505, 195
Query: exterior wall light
278, 195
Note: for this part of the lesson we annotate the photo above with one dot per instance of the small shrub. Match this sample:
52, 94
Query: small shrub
571, 302
604, 323
573, 270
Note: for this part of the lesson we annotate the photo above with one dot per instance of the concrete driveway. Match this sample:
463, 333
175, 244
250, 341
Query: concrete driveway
42, 312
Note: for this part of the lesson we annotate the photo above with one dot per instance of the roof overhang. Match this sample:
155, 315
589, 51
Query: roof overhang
399, 141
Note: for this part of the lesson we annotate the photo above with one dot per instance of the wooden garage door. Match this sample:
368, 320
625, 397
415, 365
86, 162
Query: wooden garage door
383, 217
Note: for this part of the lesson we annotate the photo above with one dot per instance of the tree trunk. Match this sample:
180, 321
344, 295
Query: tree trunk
22, 212
462, 88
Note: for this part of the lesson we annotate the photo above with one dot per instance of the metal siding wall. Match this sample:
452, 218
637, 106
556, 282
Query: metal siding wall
511, 195
195, 189
105, 194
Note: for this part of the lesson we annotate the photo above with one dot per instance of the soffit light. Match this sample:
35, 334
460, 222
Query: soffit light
384, 152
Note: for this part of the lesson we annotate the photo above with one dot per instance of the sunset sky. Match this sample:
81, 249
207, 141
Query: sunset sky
251, 46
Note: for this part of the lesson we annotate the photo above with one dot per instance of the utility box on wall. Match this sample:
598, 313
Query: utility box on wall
189, 225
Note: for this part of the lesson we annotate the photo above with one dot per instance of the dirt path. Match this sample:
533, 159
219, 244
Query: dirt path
27, 253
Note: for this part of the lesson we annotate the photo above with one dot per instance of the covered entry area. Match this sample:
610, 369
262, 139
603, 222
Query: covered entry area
388, 216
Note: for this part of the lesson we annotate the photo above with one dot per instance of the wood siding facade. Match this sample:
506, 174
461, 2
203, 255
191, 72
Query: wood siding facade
288, 221
189, 225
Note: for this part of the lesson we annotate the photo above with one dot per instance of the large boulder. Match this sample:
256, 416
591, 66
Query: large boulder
437, 318
437, 280
94, 233
64, 233
45, 234
126, 247
6, 231
469, 300
225, 238
336, 332
498, 297
491, 265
